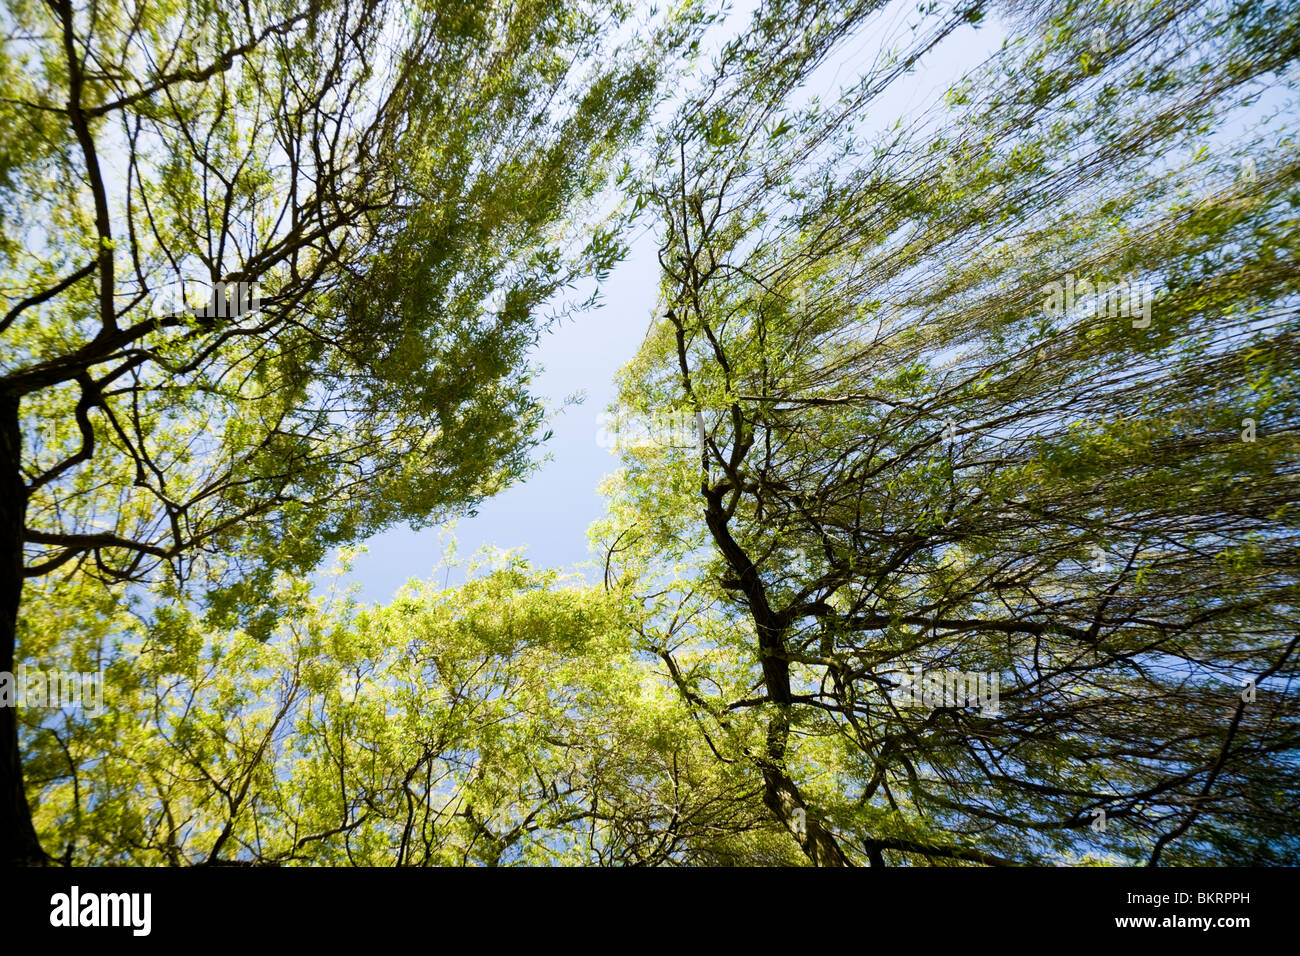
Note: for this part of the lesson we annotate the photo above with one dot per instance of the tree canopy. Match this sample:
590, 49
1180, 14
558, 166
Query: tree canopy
1003, 393
501, 722
271, 272
986, 553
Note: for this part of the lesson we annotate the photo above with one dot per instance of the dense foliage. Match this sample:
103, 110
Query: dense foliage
271, 272
987, 551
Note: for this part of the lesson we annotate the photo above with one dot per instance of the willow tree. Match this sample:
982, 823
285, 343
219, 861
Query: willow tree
501, 722
998, 431
393, 193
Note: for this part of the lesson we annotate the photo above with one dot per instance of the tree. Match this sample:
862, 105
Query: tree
501, 722
395, 191
997, 477
986, 553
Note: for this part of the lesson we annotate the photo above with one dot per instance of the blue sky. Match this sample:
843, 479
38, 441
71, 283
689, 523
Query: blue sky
549, 514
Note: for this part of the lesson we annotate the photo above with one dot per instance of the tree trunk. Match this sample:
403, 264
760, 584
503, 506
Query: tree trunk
18, 841
780, 794
782, 797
